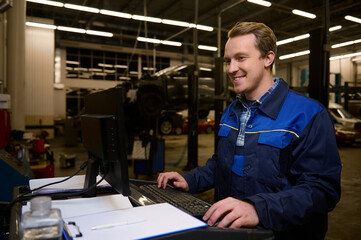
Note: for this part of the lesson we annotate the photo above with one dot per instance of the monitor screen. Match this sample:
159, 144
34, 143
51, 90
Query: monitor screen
104, 137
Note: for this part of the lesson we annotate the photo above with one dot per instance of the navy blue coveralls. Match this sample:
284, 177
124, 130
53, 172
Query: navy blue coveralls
290, 168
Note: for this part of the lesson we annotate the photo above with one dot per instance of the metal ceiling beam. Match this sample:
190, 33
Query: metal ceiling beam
219, 18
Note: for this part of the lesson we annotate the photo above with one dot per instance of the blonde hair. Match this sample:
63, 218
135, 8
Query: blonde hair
265, 38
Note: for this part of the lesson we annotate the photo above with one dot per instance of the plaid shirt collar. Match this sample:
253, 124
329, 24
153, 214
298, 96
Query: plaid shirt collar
259, 101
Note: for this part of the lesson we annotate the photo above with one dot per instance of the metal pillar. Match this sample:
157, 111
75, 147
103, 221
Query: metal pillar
220, 25
193, 107
319, 63
16, 63
220, 93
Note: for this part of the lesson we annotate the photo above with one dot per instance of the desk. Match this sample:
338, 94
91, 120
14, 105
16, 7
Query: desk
201, 233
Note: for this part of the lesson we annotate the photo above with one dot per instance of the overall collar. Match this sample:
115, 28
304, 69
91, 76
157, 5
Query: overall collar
271, 105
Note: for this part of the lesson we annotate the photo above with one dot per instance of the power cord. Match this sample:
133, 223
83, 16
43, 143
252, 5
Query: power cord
26, 196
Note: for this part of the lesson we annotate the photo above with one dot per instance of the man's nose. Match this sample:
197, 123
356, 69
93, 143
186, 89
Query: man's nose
232, 67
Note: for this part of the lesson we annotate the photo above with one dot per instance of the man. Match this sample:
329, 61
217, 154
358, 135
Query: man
277, 163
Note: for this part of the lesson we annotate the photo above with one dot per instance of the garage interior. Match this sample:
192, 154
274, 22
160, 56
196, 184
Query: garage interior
53, 53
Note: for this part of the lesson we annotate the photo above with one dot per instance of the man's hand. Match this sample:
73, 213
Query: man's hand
174, 179
235, 213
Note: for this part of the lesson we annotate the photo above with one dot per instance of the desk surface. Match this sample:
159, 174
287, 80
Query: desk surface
212, 233
202, 233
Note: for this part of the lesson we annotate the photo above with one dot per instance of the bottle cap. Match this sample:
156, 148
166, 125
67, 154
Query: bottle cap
40, 203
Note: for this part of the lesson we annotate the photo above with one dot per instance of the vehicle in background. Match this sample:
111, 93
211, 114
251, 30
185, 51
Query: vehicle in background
168, 89
343, 118
354, 104
204, 126
169, 122
346, 136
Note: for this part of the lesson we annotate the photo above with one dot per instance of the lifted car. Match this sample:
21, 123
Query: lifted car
168, 90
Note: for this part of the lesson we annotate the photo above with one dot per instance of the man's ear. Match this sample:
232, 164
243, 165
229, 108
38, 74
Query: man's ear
269, 59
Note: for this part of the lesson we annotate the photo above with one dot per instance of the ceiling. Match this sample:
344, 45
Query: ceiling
279, 17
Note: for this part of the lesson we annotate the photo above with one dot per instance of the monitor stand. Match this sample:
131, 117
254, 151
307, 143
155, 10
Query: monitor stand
92, 172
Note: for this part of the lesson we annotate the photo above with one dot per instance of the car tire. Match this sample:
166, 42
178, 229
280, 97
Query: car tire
178, 131
150, 104
165, 127
209, 129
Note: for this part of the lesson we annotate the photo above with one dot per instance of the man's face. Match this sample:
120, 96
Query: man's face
245, 66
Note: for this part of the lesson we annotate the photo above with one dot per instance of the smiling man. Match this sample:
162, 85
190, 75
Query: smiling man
277, 163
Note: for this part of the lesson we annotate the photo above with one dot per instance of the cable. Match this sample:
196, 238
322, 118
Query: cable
24, 196
84, 165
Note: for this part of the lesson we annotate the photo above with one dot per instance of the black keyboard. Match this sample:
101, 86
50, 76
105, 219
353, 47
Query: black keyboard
184, 201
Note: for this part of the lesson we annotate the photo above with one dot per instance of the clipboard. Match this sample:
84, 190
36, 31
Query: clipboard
157, 220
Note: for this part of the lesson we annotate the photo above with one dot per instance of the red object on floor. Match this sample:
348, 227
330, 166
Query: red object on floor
38, 145
5, 130
47, 172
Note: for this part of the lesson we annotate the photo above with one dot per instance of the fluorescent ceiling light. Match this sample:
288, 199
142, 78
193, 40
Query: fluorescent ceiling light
120, 66
204, 28
334, 28
126, 15
209, 48
149, 68
289, 40
292, 55
346, 56
307, 35
46, 2
81, 69
109, 70
303, 13
105, 65
147, 19
124, 78
72, 62
261, 2
205, 69
71, 75
81, 8
346, 43
99, 33
175, 23
70, 29
40, 25
95, 70
116, 14
157, 41
353, 19
150, 40
171, 43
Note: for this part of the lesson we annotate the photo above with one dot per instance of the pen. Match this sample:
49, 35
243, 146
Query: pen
118, 224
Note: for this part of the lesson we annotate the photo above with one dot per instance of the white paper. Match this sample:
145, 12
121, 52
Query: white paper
154, 220
85, 206
74, 183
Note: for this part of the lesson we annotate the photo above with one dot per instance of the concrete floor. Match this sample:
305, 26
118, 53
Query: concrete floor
344, 220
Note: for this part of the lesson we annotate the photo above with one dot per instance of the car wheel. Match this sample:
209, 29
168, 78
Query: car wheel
178, 131
209, 129
166, 127
150, 104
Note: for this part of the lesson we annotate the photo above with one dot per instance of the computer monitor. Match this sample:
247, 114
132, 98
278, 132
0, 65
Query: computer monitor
104, 136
